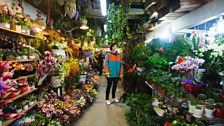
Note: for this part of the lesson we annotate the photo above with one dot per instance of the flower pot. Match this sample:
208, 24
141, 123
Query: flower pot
193, 89
18, 58
18, 28
219, 113
0, 122
5, 25
23, 30
198, 113
209, 113
24, 57
25, 107
31, 103
19, 110
191, 108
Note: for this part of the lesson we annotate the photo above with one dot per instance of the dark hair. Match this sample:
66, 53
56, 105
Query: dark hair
112, 45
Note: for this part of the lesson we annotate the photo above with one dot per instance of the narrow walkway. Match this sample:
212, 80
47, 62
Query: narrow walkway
100, 114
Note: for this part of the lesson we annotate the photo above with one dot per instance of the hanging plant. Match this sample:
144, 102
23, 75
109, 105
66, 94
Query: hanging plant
117, 20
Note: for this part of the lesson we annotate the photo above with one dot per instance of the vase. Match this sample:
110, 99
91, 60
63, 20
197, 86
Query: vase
5, 25
209, 113
31, 103
25, 107
19, 111
18, 28
193, 89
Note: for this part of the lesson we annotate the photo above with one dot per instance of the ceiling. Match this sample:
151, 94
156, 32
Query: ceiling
149, 12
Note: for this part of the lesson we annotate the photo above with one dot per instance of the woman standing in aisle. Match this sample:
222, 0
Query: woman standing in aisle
114, 70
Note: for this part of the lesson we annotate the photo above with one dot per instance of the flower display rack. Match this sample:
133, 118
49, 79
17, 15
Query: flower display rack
28, 60
9, 121
23, 77
174, 102
24, 94
15, 32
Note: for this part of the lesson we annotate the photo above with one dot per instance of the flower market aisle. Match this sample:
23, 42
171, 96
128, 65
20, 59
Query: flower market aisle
100, 114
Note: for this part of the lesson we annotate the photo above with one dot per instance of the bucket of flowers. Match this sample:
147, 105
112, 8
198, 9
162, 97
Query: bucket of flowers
190, 73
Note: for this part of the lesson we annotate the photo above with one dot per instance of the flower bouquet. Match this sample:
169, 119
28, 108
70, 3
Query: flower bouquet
191, 75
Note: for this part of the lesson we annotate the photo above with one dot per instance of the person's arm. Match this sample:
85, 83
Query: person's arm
121, 69
106, 69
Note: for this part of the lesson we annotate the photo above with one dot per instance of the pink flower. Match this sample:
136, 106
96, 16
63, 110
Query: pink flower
161, 49
7, 75
4, 65
66, 117
47, 53
5, 9
48, 115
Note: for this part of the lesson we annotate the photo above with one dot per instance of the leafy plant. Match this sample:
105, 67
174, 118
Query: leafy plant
198, 107
192, 99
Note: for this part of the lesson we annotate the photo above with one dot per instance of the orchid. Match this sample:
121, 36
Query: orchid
189, 67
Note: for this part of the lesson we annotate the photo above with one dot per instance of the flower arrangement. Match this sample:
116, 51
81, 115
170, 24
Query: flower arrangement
189, 67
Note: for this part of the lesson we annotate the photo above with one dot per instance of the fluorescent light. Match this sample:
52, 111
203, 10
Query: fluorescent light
84, 27
103, 4
105, 27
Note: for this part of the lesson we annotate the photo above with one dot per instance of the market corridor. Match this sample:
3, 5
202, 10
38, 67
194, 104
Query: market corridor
100, 114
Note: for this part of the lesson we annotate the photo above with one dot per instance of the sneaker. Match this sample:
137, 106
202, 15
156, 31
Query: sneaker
115, 100
108, 102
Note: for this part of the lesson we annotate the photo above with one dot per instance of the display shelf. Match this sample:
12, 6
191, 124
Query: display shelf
15, 32
27, 60
23, 77
9, 121
23, 94
176, 103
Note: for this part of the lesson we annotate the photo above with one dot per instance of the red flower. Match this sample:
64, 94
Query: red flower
180, 60
161, 49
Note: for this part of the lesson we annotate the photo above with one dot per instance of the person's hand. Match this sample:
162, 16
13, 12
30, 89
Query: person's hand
108, 75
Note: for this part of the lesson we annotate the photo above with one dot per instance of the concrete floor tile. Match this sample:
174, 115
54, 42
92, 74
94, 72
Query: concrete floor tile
100, 114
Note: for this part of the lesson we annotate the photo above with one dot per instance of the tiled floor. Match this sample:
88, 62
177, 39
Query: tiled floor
100, 114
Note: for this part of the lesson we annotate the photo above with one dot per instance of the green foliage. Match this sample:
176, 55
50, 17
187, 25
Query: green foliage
117, 20
179, 47
192, 99
136, 53
141, 113
211, 101
155, 61
202, 97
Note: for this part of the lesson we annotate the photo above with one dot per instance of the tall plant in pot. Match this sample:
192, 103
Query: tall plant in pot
192, 101
209, 109
190, 75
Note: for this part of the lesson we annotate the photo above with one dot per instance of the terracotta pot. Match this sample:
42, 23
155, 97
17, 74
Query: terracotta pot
219, 113
193, 89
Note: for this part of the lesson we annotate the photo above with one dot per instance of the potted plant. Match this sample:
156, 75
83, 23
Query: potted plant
19, 107
198, 111
219, 111
192, 103
25, 105
209, 109
191, 76
32, 99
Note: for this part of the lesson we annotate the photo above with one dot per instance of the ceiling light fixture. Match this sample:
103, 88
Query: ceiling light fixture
84, 27
103, 4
